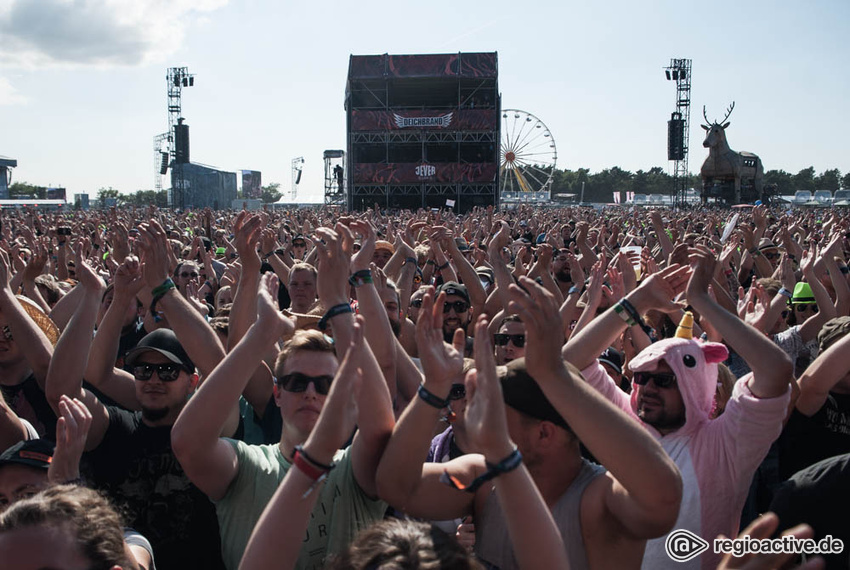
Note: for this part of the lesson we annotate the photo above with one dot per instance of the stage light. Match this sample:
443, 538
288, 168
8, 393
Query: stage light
682, 74
667, 73
185, 82
676, 74
191, 81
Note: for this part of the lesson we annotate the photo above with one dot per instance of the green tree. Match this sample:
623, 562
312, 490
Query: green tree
105, 194
845, 182
271, 193
805, 179
784, 181
829, 180
27, 190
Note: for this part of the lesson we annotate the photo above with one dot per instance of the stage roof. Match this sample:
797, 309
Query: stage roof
480, 65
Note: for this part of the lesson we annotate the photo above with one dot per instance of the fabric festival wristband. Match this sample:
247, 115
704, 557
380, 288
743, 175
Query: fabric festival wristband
432, 399
158, 293
299, 450
623, 314
361, 277
443, 266
785, 292
334, 311
506, 465
412, 260
306, 467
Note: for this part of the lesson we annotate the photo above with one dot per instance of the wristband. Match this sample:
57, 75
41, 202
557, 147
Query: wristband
432, 399
333, 312
635, 316
575, 289
317, 475
95, 246
443, 266
623, 314
430, 262
754, 252
506, 465
412, 260
361, 277
299, 450
157, 294
786, 292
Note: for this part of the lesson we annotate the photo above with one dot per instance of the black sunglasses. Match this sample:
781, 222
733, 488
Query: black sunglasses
458, 392
458, 306
661, 380
803, 307
502, 339
165, 372
297, 382
299, 244
186, 275
416, 303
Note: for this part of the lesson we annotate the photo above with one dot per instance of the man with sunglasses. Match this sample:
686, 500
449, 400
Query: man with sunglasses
674, 386
240, 478
509, 342
457, 312
130, 453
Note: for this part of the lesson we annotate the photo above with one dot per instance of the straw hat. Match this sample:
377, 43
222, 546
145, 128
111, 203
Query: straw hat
47, 326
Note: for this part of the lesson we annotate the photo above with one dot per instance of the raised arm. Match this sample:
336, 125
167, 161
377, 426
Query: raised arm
772, 369
32, 342
646, 490
403, 480
210, 462
65, 376
822, 375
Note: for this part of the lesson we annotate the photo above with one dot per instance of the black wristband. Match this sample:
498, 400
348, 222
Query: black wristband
443, 266
507, 464
334, 311
361, 277
412, 260
432, 399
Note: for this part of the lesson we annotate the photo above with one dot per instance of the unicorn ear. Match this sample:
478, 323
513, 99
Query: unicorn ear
714, 352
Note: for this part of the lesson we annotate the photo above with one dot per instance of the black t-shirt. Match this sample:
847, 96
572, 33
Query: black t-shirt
818, 496
807, 440
28, 401
135, 466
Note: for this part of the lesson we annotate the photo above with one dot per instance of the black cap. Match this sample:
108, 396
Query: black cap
36, 453
454, 288
165, 342
613, 358
521, 392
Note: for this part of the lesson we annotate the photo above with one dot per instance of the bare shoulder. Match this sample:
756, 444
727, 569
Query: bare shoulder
607, 541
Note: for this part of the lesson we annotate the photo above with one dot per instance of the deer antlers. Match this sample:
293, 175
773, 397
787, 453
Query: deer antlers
728, 113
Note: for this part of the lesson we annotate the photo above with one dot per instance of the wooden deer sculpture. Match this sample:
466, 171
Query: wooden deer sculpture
724, 164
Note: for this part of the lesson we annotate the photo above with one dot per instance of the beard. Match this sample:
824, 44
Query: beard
395, 325
154, 414
563, 276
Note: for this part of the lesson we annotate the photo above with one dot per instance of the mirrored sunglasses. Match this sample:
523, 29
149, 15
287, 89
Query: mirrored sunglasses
165, 372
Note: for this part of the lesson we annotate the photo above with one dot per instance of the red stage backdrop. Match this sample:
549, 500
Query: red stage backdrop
406, 173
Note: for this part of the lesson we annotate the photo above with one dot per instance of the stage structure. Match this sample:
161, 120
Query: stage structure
335, 177
297, 168
171, 149
204, 186
6, 166
527, 159
423, 131
679, 127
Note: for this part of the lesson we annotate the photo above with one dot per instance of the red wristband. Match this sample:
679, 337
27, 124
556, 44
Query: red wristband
306, 467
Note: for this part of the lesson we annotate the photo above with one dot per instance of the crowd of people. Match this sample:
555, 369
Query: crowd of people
517, 389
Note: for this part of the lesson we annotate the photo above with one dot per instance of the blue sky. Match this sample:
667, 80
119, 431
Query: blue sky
82, 82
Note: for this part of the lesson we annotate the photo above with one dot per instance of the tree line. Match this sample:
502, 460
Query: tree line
598, 186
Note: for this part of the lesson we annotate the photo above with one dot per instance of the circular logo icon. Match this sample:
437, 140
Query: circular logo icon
683, 545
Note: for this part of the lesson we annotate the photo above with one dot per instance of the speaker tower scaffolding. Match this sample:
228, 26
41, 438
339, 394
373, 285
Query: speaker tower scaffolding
679, 127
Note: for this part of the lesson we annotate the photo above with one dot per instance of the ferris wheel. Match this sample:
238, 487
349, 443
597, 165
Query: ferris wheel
527, 156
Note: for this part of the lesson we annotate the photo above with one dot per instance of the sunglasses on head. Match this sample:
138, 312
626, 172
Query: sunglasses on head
458, 392
458, 306
662, 380
502, 339
299, 244
416, 303
803, 307
297, 382
187, 275
165, 372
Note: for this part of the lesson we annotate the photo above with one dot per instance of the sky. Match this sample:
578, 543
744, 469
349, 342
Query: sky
83, 90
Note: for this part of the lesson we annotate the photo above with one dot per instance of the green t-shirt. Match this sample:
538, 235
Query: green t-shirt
342, 510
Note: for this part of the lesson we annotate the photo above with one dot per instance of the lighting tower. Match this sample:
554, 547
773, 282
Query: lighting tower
679, 127
165, 148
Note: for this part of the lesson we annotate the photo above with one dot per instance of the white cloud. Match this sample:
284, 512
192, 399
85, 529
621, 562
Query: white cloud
9, 95
103, 33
